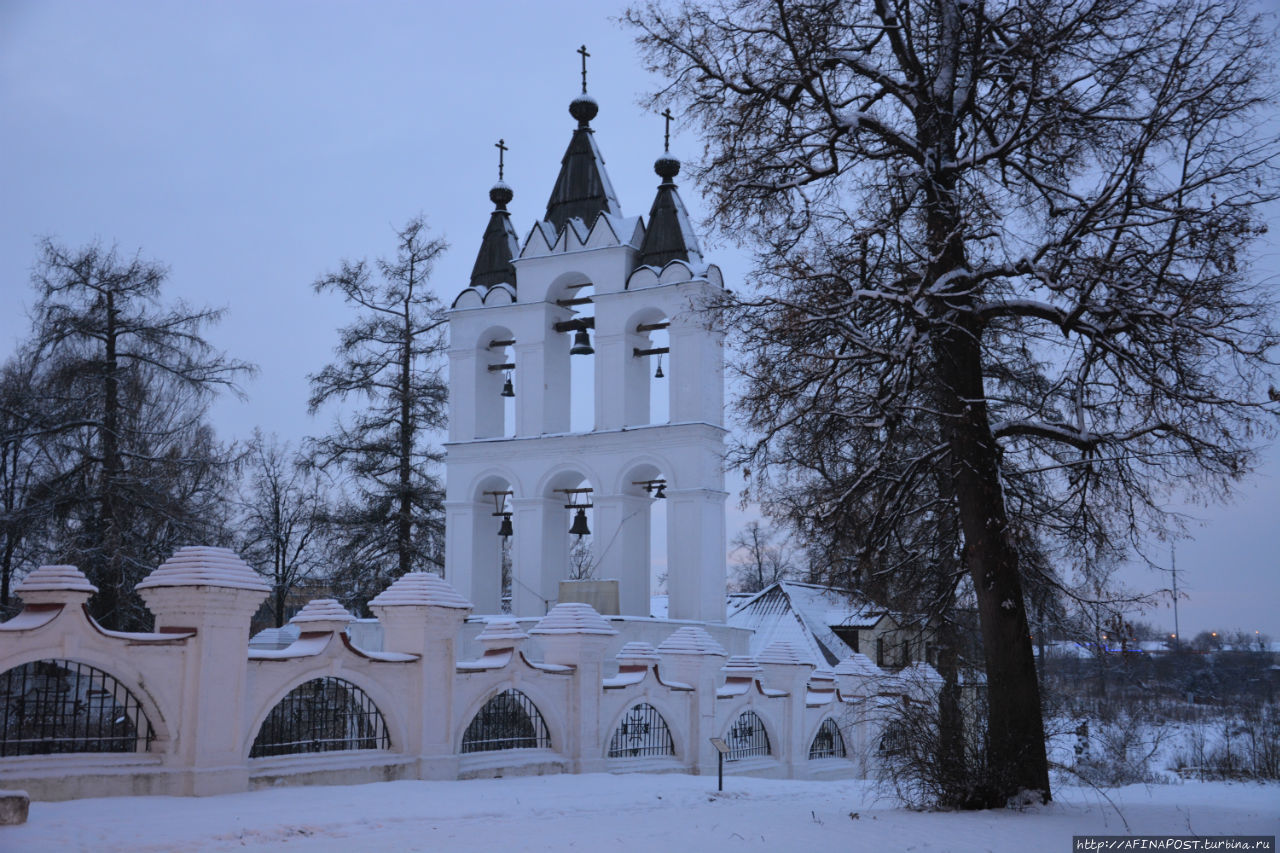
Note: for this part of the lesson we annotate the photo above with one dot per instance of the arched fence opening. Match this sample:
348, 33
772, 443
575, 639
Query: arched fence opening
641, 734
509, 720
747, 737
55, 706
322, 715
828, 742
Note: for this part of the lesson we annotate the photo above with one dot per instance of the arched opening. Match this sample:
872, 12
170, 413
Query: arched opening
641, 734
493, 546
509, 720
321, 715
648, 367
636, 552
57, 706
579, 529
582, 364
747, 737
828, 742
496, 382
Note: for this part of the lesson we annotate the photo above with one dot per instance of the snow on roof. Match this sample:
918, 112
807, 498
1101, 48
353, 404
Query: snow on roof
55, 578
321, 610
637, 653
804, 614
201, 565
691, 640
783, 652
741, 666
573, 618
420, 589
501, 632
858, 664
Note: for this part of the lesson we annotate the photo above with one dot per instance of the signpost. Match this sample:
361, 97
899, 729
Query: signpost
722, 749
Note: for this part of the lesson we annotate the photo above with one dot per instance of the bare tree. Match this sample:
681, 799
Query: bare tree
391, 359
1016, 227
757, 560
141, 471
281, 522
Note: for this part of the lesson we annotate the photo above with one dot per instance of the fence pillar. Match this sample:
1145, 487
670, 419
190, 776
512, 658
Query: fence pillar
692, 656
575, 635
421, 614
212, 592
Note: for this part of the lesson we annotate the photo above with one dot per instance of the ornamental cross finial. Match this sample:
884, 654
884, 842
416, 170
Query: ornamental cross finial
501, 145
666, 137
583, 50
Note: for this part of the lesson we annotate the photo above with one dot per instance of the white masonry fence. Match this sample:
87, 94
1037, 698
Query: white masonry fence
191, 710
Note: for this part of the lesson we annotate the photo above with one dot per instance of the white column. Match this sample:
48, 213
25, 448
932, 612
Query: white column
462, 391
541, 556
696, 554
621, 541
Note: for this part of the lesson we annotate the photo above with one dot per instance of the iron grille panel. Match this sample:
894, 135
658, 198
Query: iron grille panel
507, 721
828, 742
747, 738
322, 715
54, 706
641, 734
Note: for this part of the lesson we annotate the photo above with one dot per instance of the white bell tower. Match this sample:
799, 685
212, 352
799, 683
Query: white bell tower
589, 283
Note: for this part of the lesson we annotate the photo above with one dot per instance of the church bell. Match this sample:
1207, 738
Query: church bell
579, 527
581, 343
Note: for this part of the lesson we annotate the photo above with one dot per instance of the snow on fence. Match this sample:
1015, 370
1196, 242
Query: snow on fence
190, 710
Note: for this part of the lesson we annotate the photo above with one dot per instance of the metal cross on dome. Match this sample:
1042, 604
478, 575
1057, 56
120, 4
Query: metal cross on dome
583, 50
666, 137
501, 145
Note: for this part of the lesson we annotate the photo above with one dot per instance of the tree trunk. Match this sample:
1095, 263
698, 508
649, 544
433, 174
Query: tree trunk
404, 532
1016, 759
109, 600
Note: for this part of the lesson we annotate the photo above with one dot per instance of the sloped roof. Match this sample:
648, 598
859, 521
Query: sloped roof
804, 614
499, 244
669, 234
582, 188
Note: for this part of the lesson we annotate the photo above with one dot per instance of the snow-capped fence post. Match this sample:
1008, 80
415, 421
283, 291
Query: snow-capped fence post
784, 668
575, 635
212, 592
692, 656
421, 614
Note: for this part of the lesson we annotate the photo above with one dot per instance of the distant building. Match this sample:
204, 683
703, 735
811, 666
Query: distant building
827, 624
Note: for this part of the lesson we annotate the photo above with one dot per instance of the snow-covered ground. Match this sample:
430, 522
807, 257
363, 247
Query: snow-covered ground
665, 813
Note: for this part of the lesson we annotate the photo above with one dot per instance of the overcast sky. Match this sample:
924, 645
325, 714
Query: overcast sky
251, 146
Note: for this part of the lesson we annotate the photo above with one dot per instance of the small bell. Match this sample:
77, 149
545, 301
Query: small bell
508, 390
658, 374
661, 493
504, 529
579, 527
581, 343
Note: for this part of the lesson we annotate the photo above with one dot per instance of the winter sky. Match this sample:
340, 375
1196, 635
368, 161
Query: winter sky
251, 146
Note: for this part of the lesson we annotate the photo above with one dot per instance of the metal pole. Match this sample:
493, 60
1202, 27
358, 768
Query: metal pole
1177, 634
720, 784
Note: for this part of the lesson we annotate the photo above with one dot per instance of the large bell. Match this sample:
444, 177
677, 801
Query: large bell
508, 390
581, 343
579, 527
504, 529
661, 493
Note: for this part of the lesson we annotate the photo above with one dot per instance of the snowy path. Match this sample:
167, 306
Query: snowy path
667, 813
